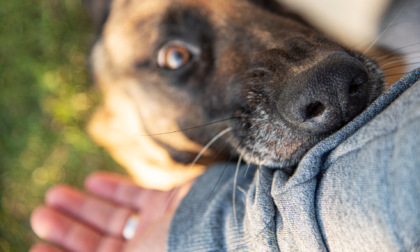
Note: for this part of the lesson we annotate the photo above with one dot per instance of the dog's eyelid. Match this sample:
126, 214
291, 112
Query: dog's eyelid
195, 50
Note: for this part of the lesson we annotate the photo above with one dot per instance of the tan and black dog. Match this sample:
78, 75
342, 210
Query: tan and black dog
177, 73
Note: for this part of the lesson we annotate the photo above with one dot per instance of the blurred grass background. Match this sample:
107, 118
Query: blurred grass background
45, 100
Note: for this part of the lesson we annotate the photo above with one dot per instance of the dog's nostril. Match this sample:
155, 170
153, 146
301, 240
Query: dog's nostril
314, 109
259, 73
356, 85
355, 90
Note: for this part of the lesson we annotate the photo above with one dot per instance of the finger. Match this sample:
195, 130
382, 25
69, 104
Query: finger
43, 247
63, 231
104, 216
124, 191
153, 238
152, 204
69, 234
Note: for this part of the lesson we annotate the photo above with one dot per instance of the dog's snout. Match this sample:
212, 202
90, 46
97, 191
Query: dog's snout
324, 97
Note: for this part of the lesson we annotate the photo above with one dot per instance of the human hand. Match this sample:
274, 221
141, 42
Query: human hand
77, 221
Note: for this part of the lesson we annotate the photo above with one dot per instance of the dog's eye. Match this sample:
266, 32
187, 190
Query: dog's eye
174, 57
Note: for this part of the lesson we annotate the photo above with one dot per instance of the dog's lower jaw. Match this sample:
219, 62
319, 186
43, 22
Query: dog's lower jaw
274, 152
148, 163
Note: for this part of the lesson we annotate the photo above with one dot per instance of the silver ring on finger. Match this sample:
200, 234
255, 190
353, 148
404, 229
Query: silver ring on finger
130, 226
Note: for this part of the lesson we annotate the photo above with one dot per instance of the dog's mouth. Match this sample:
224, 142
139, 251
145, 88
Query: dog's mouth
276, 127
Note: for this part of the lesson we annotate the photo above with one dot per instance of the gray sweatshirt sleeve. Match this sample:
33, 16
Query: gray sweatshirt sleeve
358, 190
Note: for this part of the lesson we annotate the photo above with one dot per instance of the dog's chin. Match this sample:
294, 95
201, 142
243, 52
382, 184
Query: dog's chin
279, 154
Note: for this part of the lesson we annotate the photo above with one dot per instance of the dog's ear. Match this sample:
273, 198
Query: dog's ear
98, 11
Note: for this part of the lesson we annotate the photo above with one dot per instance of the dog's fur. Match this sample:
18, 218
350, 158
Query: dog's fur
278, 84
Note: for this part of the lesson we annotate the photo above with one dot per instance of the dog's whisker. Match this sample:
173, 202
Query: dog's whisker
218, 180
249, 163
242, 190
400, 65
215, 186
386, 29
223, 132
397, 74
234, 189
190, 128
389, 63
391, 54
395, 60
399, 23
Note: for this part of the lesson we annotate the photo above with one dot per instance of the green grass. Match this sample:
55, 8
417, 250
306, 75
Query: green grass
45, 101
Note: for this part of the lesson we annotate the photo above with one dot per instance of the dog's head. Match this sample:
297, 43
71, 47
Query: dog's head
170, 69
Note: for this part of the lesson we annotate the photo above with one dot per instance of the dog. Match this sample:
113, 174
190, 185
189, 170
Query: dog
218, 80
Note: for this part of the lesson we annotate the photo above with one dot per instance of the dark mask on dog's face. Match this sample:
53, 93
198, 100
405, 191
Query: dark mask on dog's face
273, 83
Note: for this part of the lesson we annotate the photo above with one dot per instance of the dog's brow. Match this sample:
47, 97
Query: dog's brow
146, 23
188, 18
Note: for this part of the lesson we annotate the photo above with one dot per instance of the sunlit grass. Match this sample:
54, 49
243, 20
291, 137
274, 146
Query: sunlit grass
45, 100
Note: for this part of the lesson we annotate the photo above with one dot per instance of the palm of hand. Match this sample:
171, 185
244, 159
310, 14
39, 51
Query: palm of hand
77, 221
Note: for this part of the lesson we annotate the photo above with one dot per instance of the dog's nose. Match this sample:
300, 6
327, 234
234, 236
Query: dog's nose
326, 96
